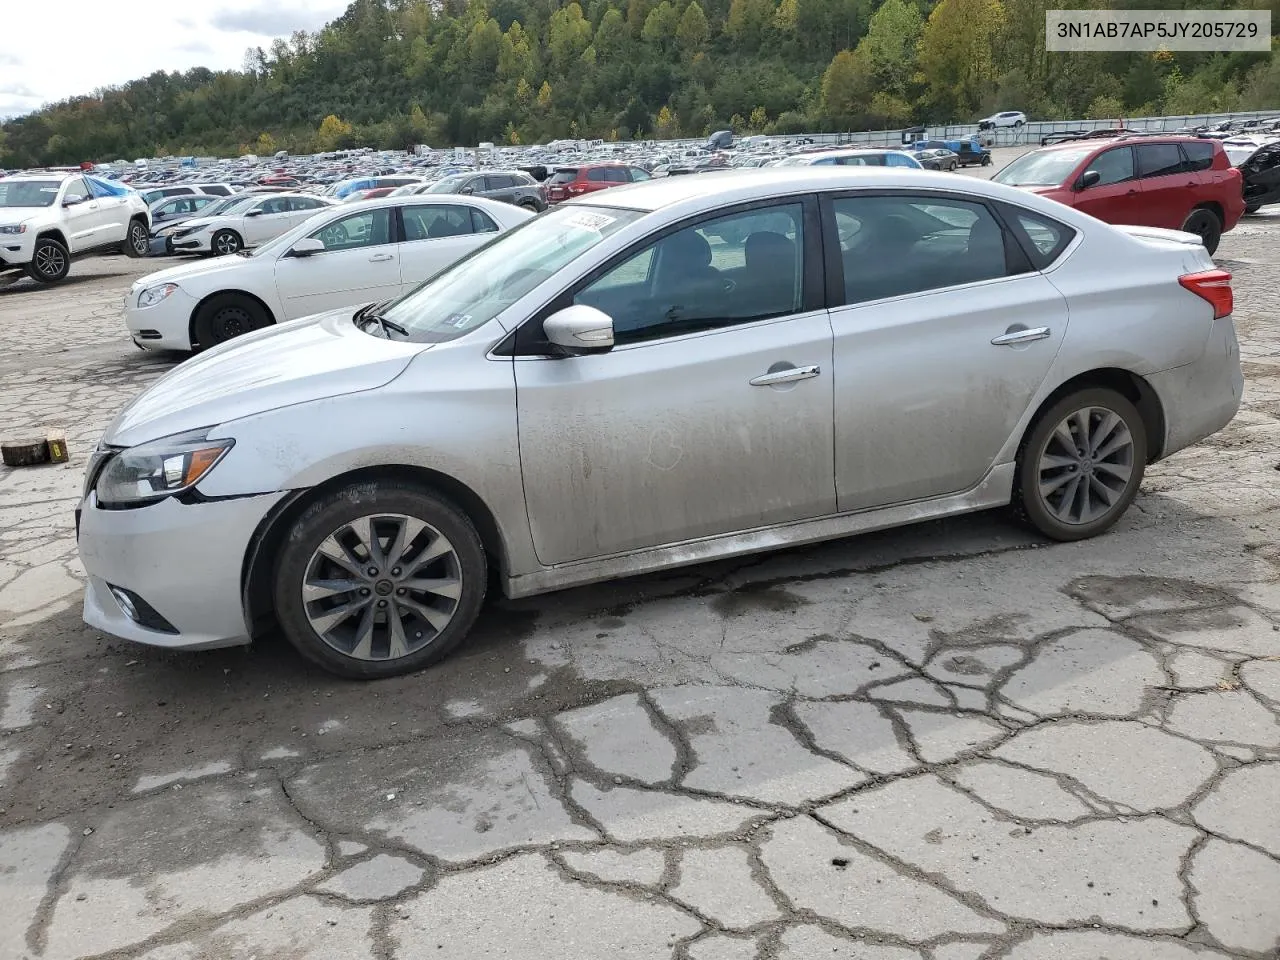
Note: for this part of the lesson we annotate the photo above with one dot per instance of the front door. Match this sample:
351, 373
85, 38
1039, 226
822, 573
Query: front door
359, 264
1117, 196
437, 234
267, 220
945, 337
712, 413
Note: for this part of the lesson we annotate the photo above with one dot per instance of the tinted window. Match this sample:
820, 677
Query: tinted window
369, 228
303, 203
275, 205
1158, 159
1048, 237
216, 190
734, 269
598, 174
1199, 155
498, 181
436, 222
1115, 166
896, 245
565, 175
616, 175
481, 222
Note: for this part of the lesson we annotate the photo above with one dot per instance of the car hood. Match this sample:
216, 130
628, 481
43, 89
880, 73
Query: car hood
297, 362
199, 221
191, 270
14, 215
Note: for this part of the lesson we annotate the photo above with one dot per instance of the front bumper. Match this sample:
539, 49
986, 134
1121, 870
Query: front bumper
160, 247
185, 560
1201, 397
197, 243
164, 326
17, 249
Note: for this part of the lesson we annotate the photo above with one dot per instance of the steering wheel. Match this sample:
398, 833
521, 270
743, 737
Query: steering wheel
333, 236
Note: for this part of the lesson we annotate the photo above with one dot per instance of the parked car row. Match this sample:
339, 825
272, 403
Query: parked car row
359, 477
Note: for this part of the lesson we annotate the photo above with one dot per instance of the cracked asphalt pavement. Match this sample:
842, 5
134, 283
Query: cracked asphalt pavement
948, 742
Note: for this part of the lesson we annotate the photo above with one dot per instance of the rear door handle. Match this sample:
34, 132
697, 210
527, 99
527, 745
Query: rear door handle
1014, 337
788, 375
381, 258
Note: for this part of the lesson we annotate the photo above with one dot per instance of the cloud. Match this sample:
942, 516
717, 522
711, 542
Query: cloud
198, 47
19, 92
8, 60
270, 22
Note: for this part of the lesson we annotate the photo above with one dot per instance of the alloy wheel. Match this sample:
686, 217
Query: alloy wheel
1085, 465
226, 244
382, 587
50, 261
138, 237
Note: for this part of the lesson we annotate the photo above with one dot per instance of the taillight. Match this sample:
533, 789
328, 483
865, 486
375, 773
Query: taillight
1214, 286
576, 188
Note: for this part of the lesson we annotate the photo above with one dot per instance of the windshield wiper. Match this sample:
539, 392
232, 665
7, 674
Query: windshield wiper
366, 315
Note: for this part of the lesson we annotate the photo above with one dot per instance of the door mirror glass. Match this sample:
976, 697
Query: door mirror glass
579, 330
72, 200
306, 247
1090, 178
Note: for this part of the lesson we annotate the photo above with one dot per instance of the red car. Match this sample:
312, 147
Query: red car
569, 182
1176, 182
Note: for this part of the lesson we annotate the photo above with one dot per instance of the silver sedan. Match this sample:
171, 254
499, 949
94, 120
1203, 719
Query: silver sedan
663, 374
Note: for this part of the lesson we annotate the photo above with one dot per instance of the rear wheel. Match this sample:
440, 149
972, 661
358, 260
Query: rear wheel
226, 317
226, 242
50, 261
1080, 466
986, 159
1253, 208
529, 205
137, 242
379, 579
1206, 225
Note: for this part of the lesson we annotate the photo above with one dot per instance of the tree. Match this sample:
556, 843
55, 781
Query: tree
846, 87
661, 25
693, 29
667, 126
568, 36
748, 22
956, 55
890, 45
544, 96
759, 120
333, 133
266, 145
612, 35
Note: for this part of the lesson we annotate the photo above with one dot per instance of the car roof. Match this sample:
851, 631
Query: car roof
1101, 142
43, 175
744, 184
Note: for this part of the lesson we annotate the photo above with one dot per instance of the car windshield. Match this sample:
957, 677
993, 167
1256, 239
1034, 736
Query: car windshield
447, 184
28, 193
230, 205
479, 287
1047, 168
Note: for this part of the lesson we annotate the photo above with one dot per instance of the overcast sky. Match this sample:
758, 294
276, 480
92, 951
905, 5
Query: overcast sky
53, 50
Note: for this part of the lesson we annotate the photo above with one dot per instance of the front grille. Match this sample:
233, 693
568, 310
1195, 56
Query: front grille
149, 334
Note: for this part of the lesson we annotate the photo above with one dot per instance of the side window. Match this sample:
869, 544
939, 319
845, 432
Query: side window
1199, 155
436, 222
638, 174
722, 272
499, 182
200, 203
275, 205
369, 228
898, 160
481, 222
302, 203
1114, 166
217, 190
77, 189
1048, 237
1158, 159
896, 245
826, 162
597, 174
616, 175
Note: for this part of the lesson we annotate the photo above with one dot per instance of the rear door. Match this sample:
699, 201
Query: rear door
926, 390
360, 264
1117, 196
435, 235
1169, 191
269, 218
498, 186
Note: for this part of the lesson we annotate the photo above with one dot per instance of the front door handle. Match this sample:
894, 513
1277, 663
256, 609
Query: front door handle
789, 375
1014, 337
381, 258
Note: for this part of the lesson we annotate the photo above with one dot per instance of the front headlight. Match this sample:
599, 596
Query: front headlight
153, 295
12, 228
153, 471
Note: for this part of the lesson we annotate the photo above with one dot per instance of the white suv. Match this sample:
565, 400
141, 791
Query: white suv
49, 219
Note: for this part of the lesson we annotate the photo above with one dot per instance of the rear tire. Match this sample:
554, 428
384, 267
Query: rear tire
412, 599
226, 242
530, 206
1206, 225
1253, 208
137, 241
1068, 494
225, 317
50, 261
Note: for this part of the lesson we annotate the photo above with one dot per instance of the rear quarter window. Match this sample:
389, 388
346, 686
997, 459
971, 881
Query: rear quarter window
1199, 155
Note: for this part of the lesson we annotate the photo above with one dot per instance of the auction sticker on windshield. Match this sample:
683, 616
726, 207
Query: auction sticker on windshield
590, 221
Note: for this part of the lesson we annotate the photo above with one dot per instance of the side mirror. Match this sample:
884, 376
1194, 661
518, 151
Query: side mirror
579, 330
467, 190
73, 201
1089, 178
254, 213
306, 247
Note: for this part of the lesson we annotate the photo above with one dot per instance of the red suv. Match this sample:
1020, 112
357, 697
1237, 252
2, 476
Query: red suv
1180, 183
569, 182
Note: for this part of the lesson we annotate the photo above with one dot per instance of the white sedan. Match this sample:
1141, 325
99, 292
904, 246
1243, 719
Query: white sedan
356, 254
248, 221
1006, 118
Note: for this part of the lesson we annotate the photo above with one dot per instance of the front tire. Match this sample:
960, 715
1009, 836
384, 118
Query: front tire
225, 243
138, 241
226, 317
50, 261
379, 579
1206, 225
1081, 464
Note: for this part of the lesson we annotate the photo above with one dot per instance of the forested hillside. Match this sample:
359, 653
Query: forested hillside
390, 73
